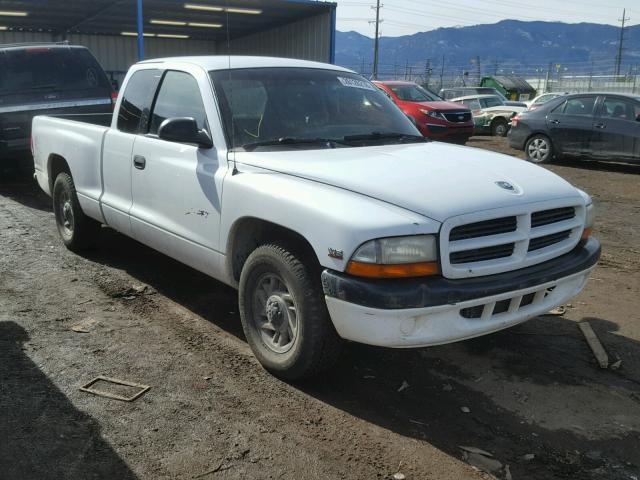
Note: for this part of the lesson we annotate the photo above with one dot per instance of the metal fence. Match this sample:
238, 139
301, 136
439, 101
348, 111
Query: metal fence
572, 78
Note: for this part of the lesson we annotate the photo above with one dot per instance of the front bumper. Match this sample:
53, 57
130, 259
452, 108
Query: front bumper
435, 310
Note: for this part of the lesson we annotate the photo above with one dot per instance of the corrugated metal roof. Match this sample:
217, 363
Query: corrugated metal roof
116, 16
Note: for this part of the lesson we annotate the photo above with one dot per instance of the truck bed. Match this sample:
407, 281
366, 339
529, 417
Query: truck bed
102, 119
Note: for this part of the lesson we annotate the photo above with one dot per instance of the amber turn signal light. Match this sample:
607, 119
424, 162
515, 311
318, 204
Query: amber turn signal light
403, 270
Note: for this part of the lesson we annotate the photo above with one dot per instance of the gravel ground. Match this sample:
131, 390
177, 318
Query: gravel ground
532, 395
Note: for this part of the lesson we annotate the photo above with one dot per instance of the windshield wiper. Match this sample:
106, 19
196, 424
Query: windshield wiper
330, 142
385, 136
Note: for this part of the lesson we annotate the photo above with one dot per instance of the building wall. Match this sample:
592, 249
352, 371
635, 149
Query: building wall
307, 39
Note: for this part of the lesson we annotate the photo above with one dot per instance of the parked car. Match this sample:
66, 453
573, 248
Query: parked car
434, 117
303, 186
602, 126
490, 114
37, 79
542, 99
450, 93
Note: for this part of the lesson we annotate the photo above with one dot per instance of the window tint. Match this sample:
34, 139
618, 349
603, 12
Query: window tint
490, 102
579, 106
471, 104
620, 108
136, 100
52, 69
544, 99
179, 96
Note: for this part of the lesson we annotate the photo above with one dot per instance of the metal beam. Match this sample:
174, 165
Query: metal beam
140, 32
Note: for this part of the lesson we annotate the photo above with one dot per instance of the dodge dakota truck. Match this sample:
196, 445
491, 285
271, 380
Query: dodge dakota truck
305, 187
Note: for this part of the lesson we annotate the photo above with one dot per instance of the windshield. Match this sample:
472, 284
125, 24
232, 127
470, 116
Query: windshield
413, 93
308, 108
491, 91
44, 69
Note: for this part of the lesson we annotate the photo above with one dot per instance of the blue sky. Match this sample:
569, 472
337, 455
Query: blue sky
404, 17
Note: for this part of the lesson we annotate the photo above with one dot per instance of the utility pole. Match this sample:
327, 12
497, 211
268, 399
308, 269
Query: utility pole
478, 69
621, 41
427, 72
546, 80
442, 72
495, 68
376, 41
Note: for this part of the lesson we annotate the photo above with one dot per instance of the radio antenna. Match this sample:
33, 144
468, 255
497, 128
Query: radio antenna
233, 124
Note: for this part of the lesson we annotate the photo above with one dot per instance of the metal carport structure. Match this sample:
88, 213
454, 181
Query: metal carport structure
110, 28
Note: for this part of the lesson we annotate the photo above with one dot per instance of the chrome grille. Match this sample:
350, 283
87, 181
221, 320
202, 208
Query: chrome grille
508, 239
457, 117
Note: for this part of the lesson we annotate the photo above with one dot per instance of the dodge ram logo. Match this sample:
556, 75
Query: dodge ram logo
506, 186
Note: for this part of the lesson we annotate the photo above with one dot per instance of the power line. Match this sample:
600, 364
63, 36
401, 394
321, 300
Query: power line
376, 41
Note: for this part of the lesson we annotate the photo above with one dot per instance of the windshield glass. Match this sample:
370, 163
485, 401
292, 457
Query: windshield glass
413, 93
308, 108
491, 91
44, 69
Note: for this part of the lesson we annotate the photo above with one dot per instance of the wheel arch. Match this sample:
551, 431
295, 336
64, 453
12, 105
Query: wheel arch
56, 164
248, 233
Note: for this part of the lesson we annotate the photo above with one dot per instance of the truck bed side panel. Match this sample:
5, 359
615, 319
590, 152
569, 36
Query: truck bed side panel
80, 145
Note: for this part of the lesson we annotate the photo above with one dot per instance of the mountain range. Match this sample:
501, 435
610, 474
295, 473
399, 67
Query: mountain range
511, 43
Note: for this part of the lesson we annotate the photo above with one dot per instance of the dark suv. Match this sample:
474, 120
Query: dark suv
45, 79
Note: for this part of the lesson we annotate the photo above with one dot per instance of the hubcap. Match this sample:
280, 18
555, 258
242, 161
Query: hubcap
500, 129
66, 214
275, 313
538, 150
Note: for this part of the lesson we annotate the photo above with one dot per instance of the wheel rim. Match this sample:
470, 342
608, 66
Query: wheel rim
275, 313
501, 129
66, 216
538, 150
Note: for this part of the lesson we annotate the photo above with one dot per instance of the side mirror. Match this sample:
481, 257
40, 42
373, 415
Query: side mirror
184, 130
638, 118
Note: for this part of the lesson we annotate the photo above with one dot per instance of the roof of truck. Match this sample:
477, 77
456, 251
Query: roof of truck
224, 62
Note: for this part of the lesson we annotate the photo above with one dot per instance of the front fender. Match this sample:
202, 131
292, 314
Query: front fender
327, 217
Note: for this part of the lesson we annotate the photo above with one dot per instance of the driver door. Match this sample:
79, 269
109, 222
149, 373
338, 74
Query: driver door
177, 187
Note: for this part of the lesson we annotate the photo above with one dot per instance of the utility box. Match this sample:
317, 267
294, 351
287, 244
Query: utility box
514, 88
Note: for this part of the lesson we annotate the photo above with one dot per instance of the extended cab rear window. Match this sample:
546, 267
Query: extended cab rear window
41, 70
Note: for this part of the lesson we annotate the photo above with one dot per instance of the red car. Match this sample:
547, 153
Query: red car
434, 117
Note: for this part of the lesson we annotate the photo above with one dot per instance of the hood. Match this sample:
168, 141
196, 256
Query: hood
443, 105
506, 108
433, 179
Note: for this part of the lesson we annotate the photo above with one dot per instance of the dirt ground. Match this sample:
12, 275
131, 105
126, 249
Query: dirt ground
533, 395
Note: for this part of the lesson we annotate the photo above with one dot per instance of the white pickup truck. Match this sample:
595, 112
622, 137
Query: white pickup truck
304, 187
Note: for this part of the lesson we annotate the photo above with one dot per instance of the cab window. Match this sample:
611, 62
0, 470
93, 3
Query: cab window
490, 102
136, 100
179, 96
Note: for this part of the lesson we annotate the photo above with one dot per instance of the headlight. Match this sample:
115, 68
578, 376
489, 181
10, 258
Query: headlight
411, 256
590, 218
432, 113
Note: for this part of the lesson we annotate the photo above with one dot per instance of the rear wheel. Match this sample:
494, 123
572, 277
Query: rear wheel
499, 127
284, 316
539, 149
78, 232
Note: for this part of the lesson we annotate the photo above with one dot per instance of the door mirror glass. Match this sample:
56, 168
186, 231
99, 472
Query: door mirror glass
184, 130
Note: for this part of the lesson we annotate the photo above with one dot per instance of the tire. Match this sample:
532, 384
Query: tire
284, 315
499, 128
539, 149
78, 232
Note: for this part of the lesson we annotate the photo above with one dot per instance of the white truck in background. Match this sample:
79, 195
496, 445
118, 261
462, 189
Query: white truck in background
304, 187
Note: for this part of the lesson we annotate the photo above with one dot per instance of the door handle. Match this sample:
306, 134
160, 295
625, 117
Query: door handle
555, 122
599, 125
139, 162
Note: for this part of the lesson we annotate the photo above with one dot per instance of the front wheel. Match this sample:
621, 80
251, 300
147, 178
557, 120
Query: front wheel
283, 314
77, 231
539, 149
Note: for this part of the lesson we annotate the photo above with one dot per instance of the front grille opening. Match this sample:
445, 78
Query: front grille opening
527, 299
501, 306
545, 241
482, 254
545, 217
457, 117
485, 228
472, 312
